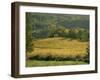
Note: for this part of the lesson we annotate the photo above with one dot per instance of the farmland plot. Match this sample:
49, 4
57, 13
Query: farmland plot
57, 51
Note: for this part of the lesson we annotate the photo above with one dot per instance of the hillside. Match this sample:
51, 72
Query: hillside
43, 24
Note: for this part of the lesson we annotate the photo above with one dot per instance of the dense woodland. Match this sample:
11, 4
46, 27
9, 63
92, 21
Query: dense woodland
44, 25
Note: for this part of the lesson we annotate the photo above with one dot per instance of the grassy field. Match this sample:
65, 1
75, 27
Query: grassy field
61, 50
34, 63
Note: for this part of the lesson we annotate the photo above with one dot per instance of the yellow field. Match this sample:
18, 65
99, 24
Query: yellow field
59, 47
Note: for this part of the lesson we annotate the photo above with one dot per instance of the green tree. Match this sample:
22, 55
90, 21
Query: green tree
29, 44
52, 29
72, 34
83, 35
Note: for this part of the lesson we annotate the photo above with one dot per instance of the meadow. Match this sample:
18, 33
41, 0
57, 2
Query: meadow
56, 39
57, 51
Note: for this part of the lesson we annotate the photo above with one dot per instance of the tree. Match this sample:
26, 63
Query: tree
72, 34
52, 29
86, 57
29, 44
83, 35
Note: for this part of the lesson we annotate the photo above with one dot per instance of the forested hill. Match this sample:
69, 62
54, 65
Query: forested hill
41, 20
43, 24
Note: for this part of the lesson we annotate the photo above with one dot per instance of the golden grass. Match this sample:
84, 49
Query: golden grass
58, 47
